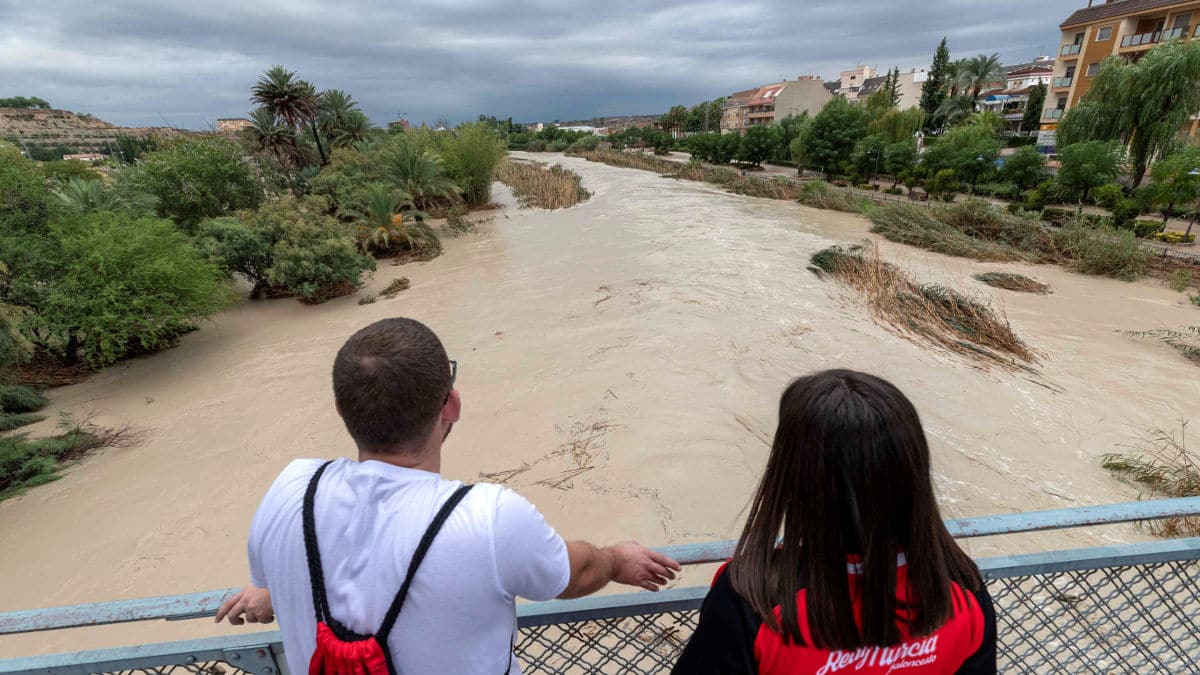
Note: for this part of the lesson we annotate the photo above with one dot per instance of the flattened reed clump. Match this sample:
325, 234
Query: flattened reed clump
821, 195
778, 187
1186, 340
397, 285
1160, 462
980, 219
1013, 282
546, 187
933, 313
918, 226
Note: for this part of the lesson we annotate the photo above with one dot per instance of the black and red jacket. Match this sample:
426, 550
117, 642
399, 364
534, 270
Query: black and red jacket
731, 640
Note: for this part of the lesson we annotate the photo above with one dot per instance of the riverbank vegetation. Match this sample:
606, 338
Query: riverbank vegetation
928, 313
1013, 282
1160, 462
545, 187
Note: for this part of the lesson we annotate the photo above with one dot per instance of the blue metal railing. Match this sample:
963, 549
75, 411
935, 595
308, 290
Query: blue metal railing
1039, 598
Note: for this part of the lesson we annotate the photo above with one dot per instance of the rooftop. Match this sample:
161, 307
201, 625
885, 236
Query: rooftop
1115, 8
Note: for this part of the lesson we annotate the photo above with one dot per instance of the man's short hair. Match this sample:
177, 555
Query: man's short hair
390, 381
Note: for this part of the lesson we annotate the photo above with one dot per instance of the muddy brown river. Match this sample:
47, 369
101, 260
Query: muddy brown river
620, 364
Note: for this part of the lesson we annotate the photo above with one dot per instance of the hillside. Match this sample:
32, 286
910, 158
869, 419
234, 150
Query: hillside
69, 132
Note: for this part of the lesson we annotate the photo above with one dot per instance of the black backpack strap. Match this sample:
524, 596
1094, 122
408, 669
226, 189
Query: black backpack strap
389, 619
316, 573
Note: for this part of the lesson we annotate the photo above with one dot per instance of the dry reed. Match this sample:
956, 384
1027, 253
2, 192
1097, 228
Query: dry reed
925, 312
1160, 461
1013, 282
535, 184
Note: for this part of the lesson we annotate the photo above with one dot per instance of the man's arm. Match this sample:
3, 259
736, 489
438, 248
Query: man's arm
627, 563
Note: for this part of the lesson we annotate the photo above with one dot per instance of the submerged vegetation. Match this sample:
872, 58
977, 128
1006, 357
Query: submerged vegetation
1160, 462
1013, 282
1186, 340
545, 187
27, 462
926, 312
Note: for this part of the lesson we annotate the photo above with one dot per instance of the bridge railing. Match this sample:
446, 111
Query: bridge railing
1127, 608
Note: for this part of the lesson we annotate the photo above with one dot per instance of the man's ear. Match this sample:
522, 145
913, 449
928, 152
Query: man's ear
452, 409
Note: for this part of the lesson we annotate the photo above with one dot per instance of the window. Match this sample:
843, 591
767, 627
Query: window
1092, 69
1104, 34
1079, 38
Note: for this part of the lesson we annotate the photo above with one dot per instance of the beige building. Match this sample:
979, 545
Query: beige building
852, 81
768, 103
908, 86
1126, 28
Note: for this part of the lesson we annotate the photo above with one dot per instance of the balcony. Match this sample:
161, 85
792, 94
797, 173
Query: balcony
1052, 114
1175, 33
1070, 50
1063, 82
1142, 39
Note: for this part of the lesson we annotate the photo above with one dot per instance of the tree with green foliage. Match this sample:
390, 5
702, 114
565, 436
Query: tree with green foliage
756, 145
290, 246
121, 286
1025, 168
196, 177
969, 151
1088, 165
705, 117
675, 119
899, 158
955, 110
898, 125
87, 195
292, 100
933, 89
387, 221
867, 157
61, 170
1033, 108
727, 147
787, 130
1172, 182
470, 154
419, 175
832, 135
25, 102
1143, 104
983, 71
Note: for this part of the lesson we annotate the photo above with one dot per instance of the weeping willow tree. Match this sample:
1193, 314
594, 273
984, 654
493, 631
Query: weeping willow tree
1143, 105
898, 125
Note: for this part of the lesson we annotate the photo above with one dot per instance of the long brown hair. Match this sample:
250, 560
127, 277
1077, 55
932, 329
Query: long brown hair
848, 475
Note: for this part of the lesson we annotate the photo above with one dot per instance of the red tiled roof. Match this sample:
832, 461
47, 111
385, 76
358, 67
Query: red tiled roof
1118, 8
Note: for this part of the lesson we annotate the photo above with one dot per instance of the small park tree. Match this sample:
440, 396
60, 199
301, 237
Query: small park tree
1026, 167
1173, 183
1086, 166
830, 139
756, 145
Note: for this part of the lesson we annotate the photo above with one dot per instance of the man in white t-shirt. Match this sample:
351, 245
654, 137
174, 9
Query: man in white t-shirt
394, 388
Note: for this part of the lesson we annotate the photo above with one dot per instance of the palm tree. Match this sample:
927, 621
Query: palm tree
955, 71
270, 135
293, 101
955, 109
982, 71
379, 213
354, 129
987, 119
420, 175
86, 195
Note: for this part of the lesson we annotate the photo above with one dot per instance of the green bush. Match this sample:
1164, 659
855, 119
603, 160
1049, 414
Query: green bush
18, 399
917, 226
585, 144
1180, 280
943, 185
1056, 216
123, 286
1124, 213
822, 195
289, 246
1144, 229
977, 218
1109, 195
195, 178
536, 145
557, 146
27, 462
1103, 250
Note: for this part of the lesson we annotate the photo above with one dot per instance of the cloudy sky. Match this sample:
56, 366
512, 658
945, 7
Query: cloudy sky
188, 62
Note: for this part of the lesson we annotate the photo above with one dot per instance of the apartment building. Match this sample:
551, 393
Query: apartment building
851, 81
1011, 99
908, 88
1126, 28
763, 105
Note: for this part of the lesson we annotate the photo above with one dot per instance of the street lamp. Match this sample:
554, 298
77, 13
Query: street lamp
1193, 172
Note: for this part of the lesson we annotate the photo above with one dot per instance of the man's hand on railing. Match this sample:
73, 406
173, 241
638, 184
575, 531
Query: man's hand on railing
252, 603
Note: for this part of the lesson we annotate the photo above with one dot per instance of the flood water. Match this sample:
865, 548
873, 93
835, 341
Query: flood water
620, 364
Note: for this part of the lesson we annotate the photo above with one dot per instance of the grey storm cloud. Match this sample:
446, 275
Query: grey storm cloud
186, 63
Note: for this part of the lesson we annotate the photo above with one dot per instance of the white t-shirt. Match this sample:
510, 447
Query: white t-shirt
460, 614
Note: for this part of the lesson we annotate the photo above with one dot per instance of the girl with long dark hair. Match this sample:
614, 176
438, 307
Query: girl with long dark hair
844, 565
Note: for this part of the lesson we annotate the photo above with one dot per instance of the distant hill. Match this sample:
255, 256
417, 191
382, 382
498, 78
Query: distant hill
68, 131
